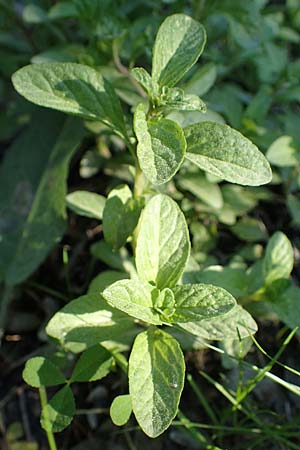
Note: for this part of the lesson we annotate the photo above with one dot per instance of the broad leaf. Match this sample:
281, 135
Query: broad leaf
161, 146
179, 43
156, 378
40, 371
104, 279
86, 321
202, 80
85, 203
71, 88
163, 243
195, 302
197, 184
283, 152
95, 363
59, 411
134, 298
32, 195
286, 306
120, 216
236, 324
222, 151
121, 409
279, 258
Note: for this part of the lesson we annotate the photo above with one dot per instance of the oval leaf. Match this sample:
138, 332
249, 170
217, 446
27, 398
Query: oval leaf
163, 244
95, 363
39, 371
121, 409
156, 379
222, 151
195, 302
59, 411
134, 298
71, 88
87, 204
179, 43
279, 258
161, 146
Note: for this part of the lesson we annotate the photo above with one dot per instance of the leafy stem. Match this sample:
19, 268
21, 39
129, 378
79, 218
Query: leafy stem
49, 433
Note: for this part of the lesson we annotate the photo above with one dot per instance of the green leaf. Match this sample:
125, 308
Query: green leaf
222, 151
279, 258
86, 321
134, 298
163, 244
121, 409
39, 371
179, 43
286, 306
88, 204
156, 379
71, 88
250, 230
120, 216
59, 411
202, 80
195, 302
95, 363
104, 279
144, 79
236, 324
32, 195
161, 146
198, 185
176, 99
283, 153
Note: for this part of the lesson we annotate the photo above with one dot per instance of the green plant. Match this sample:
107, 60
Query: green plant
154, 303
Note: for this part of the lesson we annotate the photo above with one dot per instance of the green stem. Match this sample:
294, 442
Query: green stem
44, 402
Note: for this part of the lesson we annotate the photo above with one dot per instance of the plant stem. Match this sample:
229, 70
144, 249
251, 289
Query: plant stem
44, 401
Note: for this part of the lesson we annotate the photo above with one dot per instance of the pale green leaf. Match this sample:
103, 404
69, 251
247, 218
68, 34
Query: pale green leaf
236, 324
85, 203
120, 216
144, 79
202, 80
87, 321
71, 88
163, 243
104, 279
250, 229
94, 364
32, 194
156, 379
176, 99
134, 298
279, 258
224, 152
195, 302
121, 409
198, 185
179, 43
161, 146
59, 411
283, 152
40, 371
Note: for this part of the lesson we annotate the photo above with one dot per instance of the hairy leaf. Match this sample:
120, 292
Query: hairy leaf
163, 244
222, 151
134, 298
161, 146
179, 43
156, 378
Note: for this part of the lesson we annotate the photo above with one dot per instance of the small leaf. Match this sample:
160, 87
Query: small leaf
134, 298
144, 79
286, 306
88, 204
198, 185
176, 99
120, 216
202, 80
95, 363
279, 258
283, 153
222, 151
236, 324
195, 302
179, 43
105, 279
163, 244
71, 88
250, 230
39, 371
161, 146
59, 411
156, 379
87, 321
121, 409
